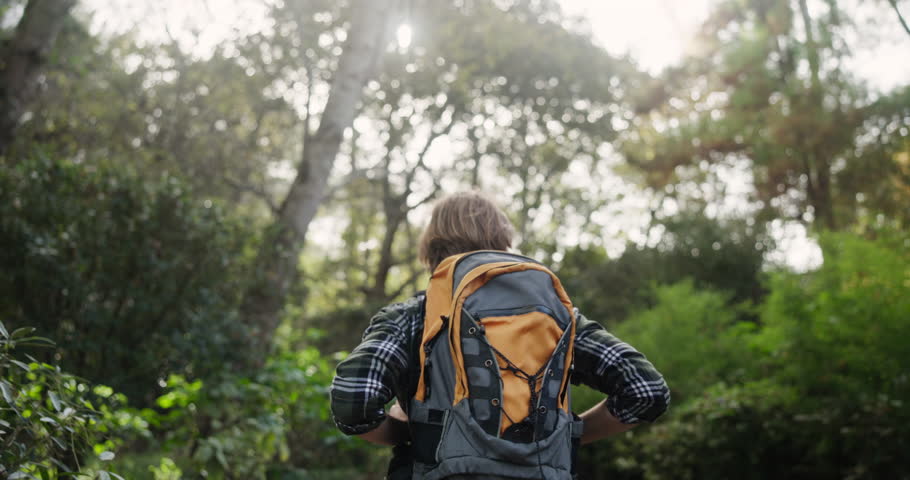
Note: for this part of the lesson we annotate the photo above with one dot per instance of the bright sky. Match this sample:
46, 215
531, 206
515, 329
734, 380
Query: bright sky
654, 32
657, 33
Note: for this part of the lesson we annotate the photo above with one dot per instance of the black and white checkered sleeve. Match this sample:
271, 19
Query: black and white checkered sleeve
637, 391
366, 380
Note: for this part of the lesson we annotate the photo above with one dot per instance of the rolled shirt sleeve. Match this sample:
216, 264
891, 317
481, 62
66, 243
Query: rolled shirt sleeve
637, 391
365, 381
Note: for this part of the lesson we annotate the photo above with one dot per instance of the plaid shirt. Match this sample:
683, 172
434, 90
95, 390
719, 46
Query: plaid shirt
385, 365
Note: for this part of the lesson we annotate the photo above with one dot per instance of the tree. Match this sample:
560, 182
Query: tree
277, 262
447, 114
23, 56
725, 255
768, 86
482, 104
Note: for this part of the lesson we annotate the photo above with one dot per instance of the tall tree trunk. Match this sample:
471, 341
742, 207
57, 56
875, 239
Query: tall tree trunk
378, 292
23, 55
811, 47
824, 208
278, 257
819, 193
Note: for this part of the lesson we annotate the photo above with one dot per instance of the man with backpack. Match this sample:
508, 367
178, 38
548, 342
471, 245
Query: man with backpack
481, 363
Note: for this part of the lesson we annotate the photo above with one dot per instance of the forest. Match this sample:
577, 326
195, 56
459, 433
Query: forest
193, 233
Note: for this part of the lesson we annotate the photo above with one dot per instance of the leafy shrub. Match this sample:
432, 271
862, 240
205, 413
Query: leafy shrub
696, 340
693, 338
51, 420
134, 278
839, 333
765, 430
240, 427
832, 360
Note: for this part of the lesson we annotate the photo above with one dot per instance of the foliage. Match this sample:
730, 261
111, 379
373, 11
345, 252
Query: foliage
766, 85
135, 278
695, 338
832, 364
242, 427
767, 429
724, 255
838, 333
204, 119
50, 420
116, 241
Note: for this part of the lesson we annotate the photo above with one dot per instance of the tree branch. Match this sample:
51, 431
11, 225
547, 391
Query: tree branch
899, 16
256, 191
411, 279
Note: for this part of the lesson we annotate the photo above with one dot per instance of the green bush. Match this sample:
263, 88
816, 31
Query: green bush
840, 333
696, 340
830, 352
246, 427
693, 337
52, 422
766, 430
134, 278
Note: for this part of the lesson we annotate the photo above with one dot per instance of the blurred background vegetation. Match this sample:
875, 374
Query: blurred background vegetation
195, 226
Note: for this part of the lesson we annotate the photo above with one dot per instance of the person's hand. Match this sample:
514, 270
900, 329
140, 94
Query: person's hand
397, 413
392, 431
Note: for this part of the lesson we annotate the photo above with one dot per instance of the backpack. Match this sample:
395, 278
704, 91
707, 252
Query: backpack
492, 398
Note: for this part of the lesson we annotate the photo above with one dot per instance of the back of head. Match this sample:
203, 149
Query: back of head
463, 222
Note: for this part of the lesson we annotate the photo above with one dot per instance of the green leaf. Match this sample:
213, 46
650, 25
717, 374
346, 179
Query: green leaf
103, 475
9, 393
4, 333
64, 468
20, 365
60, 443
55, 400
103, 391
21, 332
36, 342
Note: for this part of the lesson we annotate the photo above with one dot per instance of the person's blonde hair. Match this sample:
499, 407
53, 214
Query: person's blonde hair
460, 223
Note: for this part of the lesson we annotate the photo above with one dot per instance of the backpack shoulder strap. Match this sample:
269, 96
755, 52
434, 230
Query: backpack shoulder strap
437, 305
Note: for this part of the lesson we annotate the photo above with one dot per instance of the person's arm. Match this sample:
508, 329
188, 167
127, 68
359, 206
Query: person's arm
599, 423
393, 431
365, 381
636, 391
390, 432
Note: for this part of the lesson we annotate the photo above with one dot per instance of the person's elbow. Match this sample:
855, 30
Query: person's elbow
642, 404
353, 414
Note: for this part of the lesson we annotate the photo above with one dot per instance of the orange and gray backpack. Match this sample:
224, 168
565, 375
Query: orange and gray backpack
492, 398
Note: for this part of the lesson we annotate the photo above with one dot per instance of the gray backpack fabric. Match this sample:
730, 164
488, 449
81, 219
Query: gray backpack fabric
477, 414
